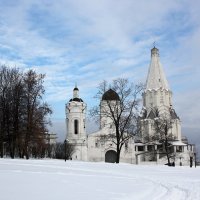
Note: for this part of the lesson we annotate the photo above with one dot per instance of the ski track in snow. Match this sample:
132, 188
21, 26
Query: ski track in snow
55, 179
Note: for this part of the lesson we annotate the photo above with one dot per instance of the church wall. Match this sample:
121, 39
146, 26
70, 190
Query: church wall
128, 155
147, 129
97, 150
176, 129
80, 152
160, 99
105, 121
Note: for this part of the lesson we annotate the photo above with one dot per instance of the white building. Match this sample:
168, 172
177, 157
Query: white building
76, 127
157, 95
51, 138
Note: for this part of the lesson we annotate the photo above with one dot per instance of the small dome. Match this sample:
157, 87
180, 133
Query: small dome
110, 95
76, 89
155, 51
76, 99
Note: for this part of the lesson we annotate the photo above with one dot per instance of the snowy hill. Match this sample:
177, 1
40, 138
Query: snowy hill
57, 180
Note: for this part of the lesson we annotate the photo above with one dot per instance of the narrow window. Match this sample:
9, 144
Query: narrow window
75, 126
126, 146
84, 123
67, 123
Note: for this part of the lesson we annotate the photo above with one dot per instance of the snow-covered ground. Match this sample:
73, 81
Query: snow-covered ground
57, 180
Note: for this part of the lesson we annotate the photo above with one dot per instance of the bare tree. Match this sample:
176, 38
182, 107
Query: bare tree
36, 111
121, 112
11, 88
162, 124
23, 114
60, 150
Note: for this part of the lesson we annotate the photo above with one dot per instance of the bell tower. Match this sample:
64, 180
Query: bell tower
158, 96
76, 125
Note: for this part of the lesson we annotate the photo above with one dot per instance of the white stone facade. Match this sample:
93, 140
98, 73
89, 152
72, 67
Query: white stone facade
157, 95
76, 125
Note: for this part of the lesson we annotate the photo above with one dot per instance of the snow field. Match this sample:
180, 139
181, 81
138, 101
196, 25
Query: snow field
57, 180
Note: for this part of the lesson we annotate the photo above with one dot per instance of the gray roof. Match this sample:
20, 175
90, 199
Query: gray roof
156, 77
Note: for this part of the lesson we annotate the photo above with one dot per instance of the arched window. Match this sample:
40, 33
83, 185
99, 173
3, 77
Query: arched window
67, 123
84, 123
75, 126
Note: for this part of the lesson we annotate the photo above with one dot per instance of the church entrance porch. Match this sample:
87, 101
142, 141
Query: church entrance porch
110, 156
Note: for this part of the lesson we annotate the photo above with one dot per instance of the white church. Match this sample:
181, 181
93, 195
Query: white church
157, 94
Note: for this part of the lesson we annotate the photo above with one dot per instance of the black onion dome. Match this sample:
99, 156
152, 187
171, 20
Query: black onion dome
110, 95
76, 99
76, 88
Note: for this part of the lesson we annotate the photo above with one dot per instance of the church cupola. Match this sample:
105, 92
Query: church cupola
76, 92
154, 52
110, 95
76, 95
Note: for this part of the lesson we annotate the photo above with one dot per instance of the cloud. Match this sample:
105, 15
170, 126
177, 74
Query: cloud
86, 41
187, 108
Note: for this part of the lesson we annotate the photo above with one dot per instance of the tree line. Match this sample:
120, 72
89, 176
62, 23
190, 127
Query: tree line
23, 113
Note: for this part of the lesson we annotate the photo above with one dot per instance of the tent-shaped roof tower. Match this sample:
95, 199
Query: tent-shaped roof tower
156, 77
